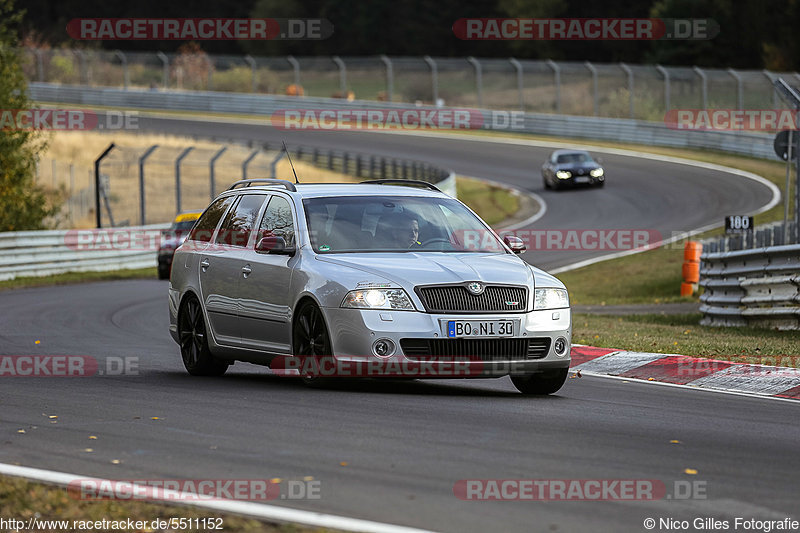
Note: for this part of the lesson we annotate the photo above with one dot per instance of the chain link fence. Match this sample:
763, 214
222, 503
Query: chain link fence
616, 90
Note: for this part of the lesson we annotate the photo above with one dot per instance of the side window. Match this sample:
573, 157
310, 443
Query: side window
239, 222
278, 220
204, 228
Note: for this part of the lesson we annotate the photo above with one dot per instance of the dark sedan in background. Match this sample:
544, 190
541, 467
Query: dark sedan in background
172, 238
572, 167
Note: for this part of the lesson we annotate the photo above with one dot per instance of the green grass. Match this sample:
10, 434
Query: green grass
21, 500
493, 204
681, 334
78, 277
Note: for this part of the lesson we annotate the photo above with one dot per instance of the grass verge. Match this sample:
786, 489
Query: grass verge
681, 334
492, 203
24, 500
78, 277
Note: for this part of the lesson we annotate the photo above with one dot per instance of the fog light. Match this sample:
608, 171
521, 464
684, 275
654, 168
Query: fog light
560, 346
383, 347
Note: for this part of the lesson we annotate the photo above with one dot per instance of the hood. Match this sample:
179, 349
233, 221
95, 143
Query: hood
410, 269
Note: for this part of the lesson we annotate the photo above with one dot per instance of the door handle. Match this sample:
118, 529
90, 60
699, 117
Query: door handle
204, 264
246, 270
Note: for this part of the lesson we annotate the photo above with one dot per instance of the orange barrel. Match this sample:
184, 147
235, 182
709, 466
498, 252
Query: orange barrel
691, 272
687, 289
692, 251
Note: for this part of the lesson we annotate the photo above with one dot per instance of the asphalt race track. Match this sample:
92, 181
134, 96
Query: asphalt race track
392, 451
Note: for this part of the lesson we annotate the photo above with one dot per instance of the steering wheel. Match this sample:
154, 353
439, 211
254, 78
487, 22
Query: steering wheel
434, 240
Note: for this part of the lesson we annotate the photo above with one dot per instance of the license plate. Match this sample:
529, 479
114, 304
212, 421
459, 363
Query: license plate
583, 179
480, 328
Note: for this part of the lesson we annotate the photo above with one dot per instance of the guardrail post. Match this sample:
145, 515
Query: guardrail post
703, 86
126, 79
518, 68
739, 88
178, 178
358, 165
211, 176
478, 78
629, 72
98, 214
164, 69
389, 77
372, 167
296, 68
383, 168
142, 212
246, 162
595, 96
342, 75
434, 78
557, 78
330, 159
664, 72
345, 161
252, 62
771, 79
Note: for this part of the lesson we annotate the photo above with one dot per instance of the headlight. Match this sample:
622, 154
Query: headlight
596, 173
550, 299
396, 299
563, 174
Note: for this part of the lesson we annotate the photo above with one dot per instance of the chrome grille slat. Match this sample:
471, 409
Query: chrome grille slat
457, 299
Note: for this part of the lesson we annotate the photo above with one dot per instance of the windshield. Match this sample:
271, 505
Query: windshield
180, 227
396, 224
579, 157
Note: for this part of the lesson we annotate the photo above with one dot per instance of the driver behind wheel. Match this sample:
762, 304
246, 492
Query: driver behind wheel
401, 231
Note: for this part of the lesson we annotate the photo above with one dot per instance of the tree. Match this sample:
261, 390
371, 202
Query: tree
23, 204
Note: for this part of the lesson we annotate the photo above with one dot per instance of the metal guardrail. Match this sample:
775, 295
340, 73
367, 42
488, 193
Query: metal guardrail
758, 287
42, 253
622, 130
772, 234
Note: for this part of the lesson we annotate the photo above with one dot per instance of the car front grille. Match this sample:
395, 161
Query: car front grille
476, 349
457, 299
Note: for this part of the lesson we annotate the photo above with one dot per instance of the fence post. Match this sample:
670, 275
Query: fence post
296, 67
704, 85
273, 166
389, 77
664, 72
126, 79
40, 64
434, 78
252, 62
478, 78
211, 164
771, 79
595, 97
142, 212
98, 214
83, 74
518, 67
342, 75
165, 68
629, 72
557, 77
246, 162
739, 88
178, 178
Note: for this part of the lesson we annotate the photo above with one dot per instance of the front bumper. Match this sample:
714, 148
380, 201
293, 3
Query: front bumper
354, 332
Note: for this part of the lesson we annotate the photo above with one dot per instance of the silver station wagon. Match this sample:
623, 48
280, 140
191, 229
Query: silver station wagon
385, 278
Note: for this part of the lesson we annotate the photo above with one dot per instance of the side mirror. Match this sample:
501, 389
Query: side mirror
274, 245
516, 244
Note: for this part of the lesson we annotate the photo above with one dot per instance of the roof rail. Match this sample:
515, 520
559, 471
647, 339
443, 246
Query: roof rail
404, 182
288, 185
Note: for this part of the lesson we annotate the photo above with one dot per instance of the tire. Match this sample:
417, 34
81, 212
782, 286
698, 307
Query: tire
546, 183
539, 384
601, 183
193, 337
310, 338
